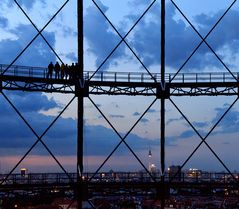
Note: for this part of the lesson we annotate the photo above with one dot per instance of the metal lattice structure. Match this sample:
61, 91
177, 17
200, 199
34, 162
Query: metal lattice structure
161, 86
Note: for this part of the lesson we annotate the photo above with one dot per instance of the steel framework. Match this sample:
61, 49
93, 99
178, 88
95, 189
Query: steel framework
160, 85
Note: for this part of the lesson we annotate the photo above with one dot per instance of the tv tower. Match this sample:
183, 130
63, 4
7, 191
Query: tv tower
150, 156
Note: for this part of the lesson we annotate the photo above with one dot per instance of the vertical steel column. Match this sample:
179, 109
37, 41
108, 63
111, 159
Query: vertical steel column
163, 103
80, 124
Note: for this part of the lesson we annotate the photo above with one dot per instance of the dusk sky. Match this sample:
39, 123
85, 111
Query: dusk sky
40, 109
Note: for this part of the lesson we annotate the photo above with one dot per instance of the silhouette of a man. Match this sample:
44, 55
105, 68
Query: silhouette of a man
57, 70
50, 70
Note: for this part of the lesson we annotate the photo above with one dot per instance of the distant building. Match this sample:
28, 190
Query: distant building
175, 173
152, 168
24, 172
194, 173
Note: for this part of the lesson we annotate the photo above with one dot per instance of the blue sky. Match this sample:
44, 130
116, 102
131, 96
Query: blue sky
40, 109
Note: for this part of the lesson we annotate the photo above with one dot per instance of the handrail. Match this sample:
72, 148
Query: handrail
56, 178
106, 76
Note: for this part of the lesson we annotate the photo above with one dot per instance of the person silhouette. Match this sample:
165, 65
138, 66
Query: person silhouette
66, 69
71, 71
50, 70
62, 71
57, 69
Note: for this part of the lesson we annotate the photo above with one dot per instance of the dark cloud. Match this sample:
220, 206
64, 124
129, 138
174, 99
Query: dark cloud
171, 120
68, 31
136, 114
15, 133
225, 34
16, 136
61, 138
171, 141
100, 136
100, 38
38, 54
31, 102
3, 22
201, 127
137, 3
149, 111
117, 116
229, 123
144, 120
152, 111
200, 124
26, 3
226, 143
181, 40
187, 134
72, 56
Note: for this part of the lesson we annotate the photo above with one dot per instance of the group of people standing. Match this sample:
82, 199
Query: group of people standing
63, 71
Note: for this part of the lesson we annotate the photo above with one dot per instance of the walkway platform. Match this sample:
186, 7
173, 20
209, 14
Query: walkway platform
27, 78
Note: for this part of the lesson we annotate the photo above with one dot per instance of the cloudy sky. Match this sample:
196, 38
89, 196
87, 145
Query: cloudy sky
100, 38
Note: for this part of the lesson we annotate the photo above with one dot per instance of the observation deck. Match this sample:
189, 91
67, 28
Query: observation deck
27, 78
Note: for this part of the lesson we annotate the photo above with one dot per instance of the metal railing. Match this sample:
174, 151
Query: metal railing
145, 77
62, 178
24, 71
106, 76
